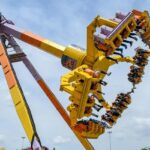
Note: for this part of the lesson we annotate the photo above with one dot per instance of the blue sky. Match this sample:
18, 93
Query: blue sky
65, 22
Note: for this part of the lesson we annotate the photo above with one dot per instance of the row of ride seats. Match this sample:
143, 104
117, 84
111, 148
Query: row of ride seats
118, 106
137, 70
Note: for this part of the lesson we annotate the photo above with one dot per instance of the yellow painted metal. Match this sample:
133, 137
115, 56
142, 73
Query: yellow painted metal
84, 141
92, 52
52, 48
78, 84
103, 63
16, 94
147, 34
148, 53
95, 131
66, 86
65, 82
22, 111
103, 102
75, 54
146, 17
87, 79
145, 23
79, 91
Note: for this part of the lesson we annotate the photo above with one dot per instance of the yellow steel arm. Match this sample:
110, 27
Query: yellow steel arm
17, 96
127, 59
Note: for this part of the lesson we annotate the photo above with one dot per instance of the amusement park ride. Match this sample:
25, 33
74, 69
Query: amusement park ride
106, 41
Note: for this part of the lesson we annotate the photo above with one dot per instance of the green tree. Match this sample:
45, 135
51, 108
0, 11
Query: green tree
146, 148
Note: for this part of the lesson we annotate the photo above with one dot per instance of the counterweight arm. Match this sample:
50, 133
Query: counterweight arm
34, 40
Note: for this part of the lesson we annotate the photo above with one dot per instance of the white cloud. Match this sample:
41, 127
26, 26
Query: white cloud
143, 121
2, 138
61, 140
